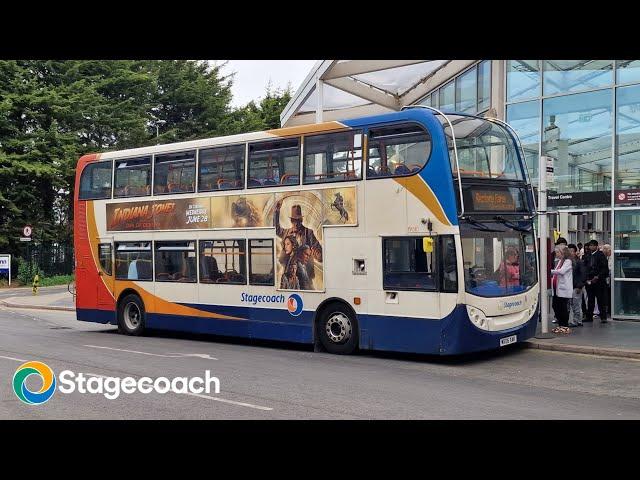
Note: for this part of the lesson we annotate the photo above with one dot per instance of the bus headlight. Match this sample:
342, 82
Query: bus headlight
532, 308
478, 317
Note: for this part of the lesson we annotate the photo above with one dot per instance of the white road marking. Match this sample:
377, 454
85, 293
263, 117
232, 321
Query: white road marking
200, 395
170, 355
11, 358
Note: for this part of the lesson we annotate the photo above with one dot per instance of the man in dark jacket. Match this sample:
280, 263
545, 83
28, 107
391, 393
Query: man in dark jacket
579, 278
597, 273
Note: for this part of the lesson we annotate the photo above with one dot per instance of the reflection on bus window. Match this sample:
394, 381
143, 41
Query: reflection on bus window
274, 163
261, 262
133, 177
133, 261
175, 173
397, 150
332, 157
95, 182
449, 282
221, 168
498, 261
104, 256
485, 149
406, 265
223, 261
175, 261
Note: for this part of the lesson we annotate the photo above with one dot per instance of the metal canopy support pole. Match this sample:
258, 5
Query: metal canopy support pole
543, 222
320, 105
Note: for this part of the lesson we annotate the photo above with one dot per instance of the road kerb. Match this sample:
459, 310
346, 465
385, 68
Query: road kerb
37, 307
585, 349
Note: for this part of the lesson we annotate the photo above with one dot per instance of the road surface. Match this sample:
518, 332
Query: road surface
260, 380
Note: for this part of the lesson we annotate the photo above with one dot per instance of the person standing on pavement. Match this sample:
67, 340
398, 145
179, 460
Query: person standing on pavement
579, 277
562, 242
597, 274
562, 287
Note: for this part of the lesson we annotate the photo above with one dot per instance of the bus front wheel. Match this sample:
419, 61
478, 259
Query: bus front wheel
337, 329
131, 315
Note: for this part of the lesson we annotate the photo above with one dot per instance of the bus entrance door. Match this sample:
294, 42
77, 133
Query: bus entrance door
105, 286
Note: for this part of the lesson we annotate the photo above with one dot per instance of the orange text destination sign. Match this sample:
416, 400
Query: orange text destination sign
489, 200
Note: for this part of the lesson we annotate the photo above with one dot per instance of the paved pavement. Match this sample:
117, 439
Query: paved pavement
57, 297
27, 292
267, 381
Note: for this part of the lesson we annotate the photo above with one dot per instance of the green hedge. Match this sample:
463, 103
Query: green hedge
55, 280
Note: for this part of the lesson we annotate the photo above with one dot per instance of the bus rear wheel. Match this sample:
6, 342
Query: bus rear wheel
337, 329
131, 315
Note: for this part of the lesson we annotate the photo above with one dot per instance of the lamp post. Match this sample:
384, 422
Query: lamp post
545, 165
158, 123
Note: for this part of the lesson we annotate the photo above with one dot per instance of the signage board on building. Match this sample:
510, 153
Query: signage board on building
549, 170
627, 196
5, 265
578, 199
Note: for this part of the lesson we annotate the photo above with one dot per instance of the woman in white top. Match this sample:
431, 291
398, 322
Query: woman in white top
562, 285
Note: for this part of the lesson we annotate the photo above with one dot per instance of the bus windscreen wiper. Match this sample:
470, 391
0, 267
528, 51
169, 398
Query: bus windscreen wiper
480, 226
509, 224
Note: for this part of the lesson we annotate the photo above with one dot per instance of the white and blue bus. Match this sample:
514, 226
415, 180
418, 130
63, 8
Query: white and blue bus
410, 231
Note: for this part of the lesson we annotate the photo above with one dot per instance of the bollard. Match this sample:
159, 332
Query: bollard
36, 284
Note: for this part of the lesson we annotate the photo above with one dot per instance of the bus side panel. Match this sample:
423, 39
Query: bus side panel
400, 334
262, 323
88, 282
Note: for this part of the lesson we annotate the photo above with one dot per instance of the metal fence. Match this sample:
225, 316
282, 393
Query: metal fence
54, 259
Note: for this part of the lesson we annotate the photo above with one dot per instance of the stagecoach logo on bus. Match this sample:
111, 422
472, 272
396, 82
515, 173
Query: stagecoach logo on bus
294, 302
110, 387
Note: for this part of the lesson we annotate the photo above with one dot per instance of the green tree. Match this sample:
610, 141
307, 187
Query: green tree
191, 100
53, 112
264, 115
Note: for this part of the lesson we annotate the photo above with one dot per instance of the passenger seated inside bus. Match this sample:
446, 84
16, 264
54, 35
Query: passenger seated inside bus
209, 272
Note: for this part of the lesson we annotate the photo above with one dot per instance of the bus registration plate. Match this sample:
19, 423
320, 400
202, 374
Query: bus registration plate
508, 340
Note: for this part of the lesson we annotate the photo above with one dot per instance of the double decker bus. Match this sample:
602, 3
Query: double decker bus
410, 231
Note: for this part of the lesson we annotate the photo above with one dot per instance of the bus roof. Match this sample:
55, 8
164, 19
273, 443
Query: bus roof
224, 140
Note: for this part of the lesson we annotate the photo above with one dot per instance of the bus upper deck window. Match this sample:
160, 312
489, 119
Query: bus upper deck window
275, 162
132, 177
95, 182
221, 168
397, 150
175, 173
332, 157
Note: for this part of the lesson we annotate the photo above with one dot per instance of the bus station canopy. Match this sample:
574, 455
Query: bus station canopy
338, 89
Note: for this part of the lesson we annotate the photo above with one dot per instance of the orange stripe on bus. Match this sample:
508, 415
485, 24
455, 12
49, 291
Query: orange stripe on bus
304, 129
421, 190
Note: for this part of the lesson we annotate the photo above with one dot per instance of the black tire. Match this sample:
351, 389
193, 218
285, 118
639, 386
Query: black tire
131, 315
337, 329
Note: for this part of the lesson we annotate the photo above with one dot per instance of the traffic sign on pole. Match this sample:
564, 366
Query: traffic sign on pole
5, 265
26, 231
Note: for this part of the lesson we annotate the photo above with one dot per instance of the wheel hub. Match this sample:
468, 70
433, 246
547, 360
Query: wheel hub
132, 315
338, 328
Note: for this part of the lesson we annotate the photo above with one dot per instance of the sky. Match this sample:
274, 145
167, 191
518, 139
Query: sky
252, 76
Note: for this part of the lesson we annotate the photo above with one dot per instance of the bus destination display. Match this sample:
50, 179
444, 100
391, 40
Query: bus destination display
484, 200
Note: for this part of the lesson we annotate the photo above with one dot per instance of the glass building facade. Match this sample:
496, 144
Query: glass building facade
585, 115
